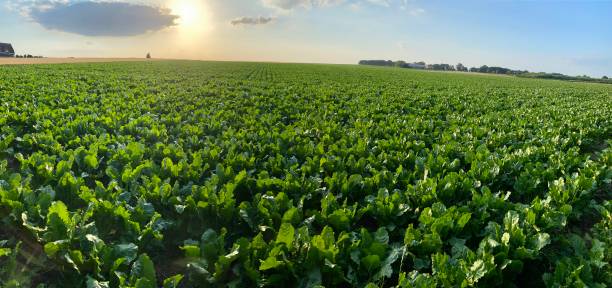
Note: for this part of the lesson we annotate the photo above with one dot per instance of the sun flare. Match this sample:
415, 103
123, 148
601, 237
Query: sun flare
192, 14
187, 11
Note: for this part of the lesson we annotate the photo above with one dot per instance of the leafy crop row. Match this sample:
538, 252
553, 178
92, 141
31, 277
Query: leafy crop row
195, 174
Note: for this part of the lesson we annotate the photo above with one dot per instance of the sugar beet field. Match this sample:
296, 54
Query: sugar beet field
212, 174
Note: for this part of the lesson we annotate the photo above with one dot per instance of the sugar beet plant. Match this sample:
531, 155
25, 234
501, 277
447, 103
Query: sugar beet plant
195, 174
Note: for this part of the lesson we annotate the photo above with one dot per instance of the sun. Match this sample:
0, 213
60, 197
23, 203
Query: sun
192, 13
187, 11
193, 24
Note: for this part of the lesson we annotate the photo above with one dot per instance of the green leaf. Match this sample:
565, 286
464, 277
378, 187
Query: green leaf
505, 240
5, 252
464, 219
339, 220
144, 269
59, 209
58, 222
52, 248
173, 282
382, 236
371, 262
191, 251
211, 245
387, 270
93, 283
269, 263
597, 254
480, 268
75, 258
541, 240
129, 251
313, 278
91, 161
144, 283
286, 234
477, 271
292, 216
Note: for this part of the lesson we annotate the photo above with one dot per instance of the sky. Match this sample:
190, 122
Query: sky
573, 37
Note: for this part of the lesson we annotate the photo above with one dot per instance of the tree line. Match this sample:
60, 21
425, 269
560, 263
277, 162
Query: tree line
559, 76
27, 56
443, 67
484, 69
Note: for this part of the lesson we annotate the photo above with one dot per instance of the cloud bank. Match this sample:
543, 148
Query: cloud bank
291, 4
100, 18
288, 5
251, 20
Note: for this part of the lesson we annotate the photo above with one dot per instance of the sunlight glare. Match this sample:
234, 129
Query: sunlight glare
193, 14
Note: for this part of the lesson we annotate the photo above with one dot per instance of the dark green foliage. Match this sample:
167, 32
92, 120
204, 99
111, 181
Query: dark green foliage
203, 174
559, 76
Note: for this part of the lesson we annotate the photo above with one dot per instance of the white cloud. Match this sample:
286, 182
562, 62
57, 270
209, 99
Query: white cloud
384, 3
354, 5
292, 4
411, 7
24, 7
416, 11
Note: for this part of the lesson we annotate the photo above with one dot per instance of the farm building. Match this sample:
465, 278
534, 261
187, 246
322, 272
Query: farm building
6, 50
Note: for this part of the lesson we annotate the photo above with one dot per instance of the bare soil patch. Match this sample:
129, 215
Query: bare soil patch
23, 61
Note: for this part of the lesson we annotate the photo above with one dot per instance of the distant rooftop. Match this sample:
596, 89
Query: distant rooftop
6, 50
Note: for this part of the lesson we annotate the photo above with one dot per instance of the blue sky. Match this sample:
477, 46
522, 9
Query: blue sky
572, 37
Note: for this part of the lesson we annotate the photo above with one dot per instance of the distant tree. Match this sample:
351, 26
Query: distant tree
148, 55
498, 70
400, 64
473, 69
376, 62
443, 67
483, 69
460, 67
604, 77
420, 63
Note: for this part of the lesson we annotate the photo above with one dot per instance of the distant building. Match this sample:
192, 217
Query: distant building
6, 50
